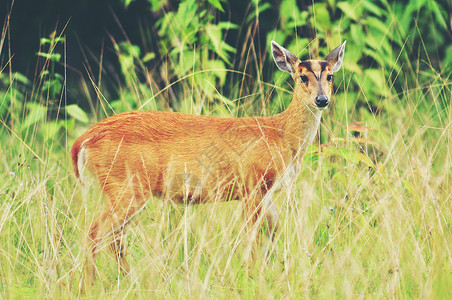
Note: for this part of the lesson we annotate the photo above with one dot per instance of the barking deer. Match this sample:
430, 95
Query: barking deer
198, 159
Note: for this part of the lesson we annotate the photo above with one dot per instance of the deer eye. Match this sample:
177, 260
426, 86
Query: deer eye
329, 77
304, 79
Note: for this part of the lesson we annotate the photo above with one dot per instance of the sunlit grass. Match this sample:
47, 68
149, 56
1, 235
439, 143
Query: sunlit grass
347, 229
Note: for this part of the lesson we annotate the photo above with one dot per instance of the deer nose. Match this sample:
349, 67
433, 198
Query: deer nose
321, 101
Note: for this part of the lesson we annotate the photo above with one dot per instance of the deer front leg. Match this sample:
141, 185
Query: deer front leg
271, 215
259, 208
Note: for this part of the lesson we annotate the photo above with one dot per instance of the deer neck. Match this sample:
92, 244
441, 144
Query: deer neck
300, 123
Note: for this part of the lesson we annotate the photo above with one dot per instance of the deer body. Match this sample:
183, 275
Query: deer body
196, 159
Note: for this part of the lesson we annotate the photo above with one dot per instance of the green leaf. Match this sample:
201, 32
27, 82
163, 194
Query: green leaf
77, 113
36, 113
290, 13
59, 39
148, 57
218, 70
221, 48
370, 7
227, 25
186, 16
44, 41
376, 24
19, 77
364, 159
322, 16
157, 4
352, 12
55, 40
377, 81
216, 4
52, 129
50, 56
127, 2
376, 76
438, 14
129, 49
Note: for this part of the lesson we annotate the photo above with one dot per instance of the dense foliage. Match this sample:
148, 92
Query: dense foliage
370, 214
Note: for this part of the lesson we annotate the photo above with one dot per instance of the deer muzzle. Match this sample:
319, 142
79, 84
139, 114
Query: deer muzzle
321, 101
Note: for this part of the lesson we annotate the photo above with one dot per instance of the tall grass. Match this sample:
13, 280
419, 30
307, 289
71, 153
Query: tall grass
368, 217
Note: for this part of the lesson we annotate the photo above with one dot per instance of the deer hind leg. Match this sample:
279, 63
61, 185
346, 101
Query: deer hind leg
118, 249
98, 230
111, 221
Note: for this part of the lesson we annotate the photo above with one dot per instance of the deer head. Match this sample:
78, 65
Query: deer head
313, 78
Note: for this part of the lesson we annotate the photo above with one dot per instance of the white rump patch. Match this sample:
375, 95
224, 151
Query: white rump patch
81, 162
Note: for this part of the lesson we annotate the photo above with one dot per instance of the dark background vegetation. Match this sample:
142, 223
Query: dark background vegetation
87, 26
90, 27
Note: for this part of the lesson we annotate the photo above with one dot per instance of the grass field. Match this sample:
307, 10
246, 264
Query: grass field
368, 217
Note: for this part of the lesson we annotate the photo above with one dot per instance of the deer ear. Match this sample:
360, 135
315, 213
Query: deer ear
283, 58
336, 56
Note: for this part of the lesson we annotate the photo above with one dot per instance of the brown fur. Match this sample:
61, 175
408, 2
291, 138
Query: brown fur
193, 159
